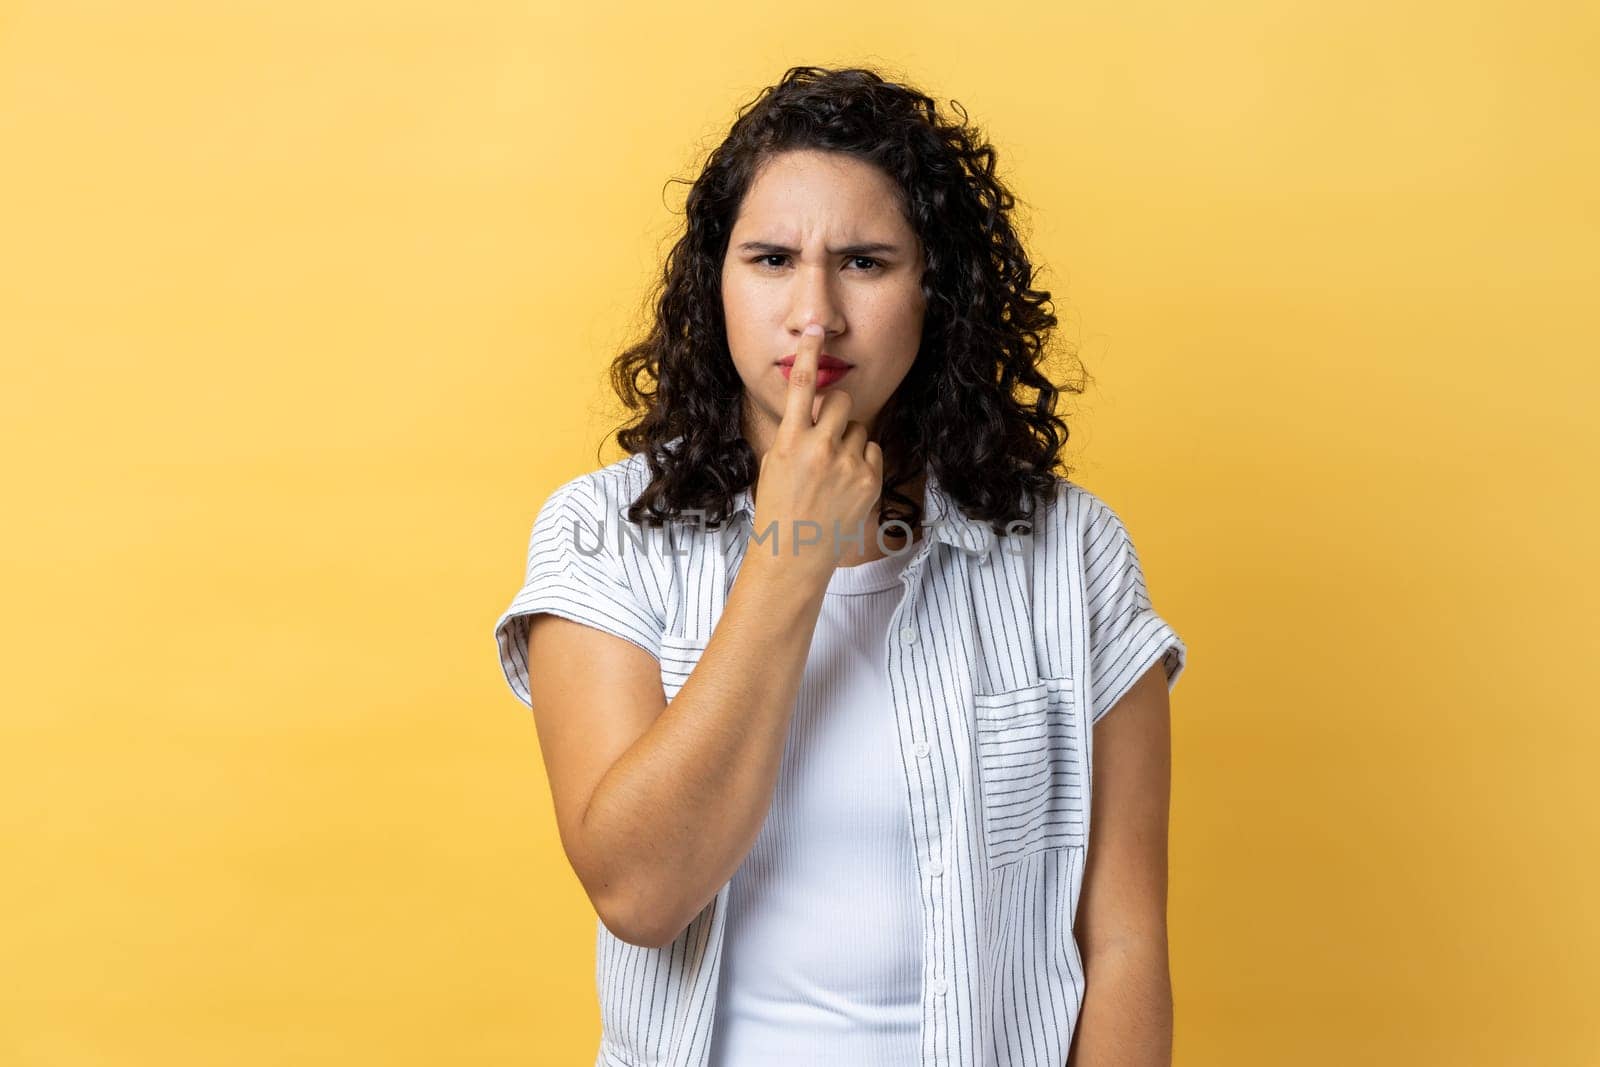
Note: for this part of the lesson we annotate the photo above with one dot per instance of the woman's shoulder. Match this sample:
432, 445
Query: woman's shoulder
603, 492
1079, 530
620, 483
1072, 507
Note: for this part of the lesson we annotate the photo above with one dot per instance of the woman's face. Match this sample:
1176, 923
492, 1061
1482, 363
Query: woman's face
820, 238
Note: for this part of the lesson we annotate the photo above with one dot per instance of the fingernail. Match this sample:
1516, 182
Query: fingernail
814, 329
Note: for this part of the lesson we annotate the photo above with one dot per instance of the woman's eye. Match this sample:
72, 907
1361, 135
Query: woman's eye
872, 264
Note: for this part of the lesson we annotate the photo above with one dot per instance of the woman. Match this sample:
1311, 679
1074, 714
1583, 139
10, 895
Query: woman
816, 669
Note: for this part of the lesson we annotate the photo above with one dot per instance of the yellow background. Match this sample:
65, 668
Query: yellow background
305, 307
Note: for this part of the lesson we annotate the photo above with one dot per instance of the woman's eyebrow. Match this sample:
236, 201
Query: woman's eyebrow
865, 249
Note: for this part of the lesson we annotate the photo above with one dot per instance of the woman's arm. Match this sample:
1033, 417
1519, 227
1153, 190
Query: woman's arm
658, 803
1122, 920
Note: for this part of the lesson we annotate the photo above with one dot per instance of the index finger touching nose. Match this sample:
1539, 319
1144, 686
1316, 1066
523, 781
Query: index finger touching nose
803, 377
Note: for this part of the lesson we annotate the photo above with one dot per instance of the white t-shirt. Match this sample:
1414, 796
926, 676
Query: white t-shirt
823, 957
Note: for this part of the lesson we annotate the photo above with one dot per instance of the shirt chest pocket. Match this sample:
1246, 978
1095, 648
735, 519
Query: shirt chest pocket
1029, 746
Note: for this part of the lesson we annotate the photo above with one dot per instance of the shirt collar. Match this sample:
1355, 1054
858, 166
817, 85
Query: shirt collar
943, 519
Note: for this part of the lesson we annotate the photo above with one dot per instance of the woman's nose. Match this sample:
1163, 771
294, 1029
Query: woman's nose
814, 300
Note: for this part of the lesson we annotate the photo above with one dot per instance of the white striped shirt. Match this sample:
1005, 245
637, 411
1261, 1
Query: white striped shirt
1001, 657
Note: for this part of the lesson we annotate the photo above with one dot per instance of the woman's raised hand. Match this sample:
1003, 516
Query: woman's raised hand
825, 471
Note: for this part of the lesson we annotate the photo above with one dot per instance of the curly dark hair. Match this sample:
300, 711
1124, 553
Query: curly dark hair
984, 329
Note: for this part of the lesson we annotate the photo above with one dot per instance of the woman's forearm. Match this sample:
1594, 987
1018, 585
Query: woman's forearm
1127, 1009
675, 815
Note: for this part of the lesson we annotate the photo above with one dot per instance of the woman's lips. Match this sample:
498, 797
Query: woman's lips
826, 376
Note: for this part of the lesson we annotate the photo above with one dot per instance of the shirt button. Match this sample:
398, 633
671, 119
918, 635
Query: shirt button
922, 748
908, 634
935, 867
940, 987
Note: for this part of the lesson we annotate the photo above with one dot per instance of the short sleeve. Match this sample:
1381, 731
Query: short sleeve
1126, 636
576, 569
